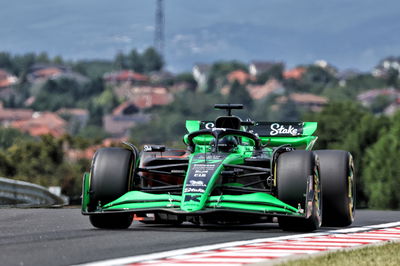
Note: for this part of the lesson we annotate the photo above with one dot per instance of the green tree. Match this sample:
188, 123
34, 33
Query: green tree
10, 136
276, 72
239, 94
136, 61
380, 103
6, 61
393, 78
218, 72
383, 169
152, 61
120, 61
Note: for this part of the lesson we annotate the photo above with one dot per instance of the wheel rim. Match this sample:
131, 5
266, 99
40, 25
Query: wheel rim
317, 196
351, 189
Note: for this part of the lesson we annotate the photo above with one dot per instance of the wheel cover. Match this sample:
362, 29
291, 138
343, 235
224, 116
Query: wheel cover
317, 196
351, 188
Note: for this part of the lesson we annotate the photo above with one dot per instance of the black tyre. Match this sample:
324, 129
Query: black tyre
294, 171
111, 173
337, 181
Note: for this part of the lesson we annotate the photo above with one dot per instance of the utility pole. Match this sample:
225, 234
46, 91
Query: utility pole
159, 30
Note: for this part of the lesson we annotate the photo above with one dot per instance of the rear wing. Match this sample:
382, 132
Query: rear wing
271, 133
278, 133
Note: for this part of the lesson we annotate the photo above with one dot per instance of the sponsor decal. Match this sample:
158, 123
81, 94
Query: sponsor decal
209, 125
192, 198
194, 190
147, 148
195, 183
277, 129
201, 171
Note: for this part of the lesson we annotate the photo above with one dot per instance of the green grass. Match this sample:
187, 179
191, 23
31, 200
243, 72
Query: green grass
382, 255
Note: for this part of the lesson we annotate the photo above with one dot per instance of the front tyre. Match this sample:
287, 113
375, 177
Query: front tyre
337, 181
111, 176
298, 185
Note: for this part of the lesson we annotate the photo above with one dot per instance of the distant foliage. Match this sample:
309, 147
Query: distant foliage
374, 145
146, 62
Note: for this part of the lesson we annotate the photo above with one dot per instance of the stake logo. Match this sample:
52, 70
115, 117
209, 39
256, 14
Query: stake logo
277, 129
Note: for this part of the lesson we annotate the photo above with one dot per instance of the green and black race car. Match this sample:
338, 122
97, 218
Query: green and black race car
232, 172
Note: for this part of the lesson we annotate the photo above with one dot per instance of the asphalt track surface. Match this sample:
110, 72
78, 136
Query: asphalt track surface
65, 237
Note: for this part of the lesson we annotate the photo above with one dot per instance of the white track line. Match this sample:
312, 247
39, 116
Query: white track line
298, 241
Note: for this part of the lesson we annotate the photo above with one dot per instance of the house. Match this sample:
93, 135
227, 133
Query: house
392, 108
307, 100
160, 76
295, 73
239, 75
42, 123
258, 67
77, 118
326, 66
368, 97
385, 65
74, 155
125, 76
200, 74
144, 96
123, 118
9, 115
44, 72
272, 86
6, 79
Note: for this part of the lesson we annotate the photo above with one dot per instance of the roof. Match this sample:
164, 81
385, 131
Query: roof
125, 75
144, 96
295, 73
122, 108
73, 111
47, 72
263, 66
239, 75
155, 96
258, 92
304, 98
6, 79
42, 123
372, 94
11, 114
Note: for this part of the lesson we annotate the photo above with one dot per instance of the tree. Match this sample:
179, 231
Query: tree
393, 78
6, 61
380, 103
136, 61
316, 79
10, 136
120, 61
152, 61
218, 72
239, 94
276, 72
383, 169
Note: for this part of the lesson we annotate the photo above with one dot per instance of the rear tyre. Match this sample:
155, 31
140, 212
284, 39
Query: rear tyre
337, 181
295, 170
111, 173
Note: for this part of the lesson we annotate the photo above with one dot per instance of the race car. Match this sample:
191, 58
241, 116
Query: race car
232, 171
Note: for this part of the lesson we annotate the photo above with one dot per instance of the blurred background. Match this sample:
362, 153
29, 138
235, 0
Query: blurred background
79, 75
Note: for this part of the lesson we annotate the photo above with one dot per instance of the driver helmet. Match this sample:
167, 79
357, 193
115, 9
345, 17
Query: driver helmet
226, 144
